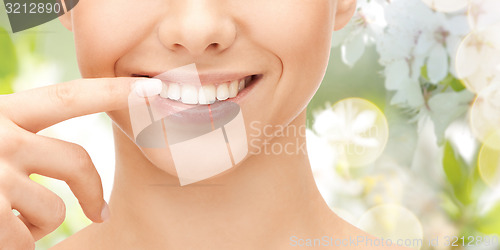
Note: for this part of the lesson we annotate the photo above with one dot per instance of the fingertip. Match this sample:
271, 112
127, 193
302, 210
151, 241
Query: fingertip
105, 213
148, 87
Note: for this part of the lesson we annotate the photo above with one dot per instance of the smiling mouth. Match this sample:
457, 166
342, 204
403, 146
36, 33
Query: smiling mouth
204, 94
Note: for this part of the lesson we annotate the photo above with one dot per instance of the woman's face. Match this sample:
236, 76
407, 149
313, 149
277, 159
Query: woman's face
285, 43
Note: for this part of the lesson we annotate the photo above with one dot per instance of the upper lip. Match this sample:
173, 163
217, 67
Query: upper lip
188, 77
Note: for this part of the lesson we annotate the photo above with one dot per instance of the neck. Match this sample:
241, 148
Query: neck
267, 197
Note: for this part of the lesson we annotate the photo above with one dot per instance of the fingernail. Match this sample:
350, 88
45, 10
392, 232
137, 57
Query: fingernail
148, 87
105, 212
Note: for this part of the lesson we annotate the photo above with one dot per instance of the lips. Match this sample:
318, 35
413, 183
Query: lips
187, 75
203, 140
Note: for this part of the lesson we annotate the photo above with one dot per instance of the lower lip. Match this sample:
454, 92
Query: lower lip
186, 113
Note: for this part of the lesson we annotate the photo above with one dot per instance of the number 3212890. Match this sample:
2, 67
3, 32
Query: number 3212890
32, 8
471, 241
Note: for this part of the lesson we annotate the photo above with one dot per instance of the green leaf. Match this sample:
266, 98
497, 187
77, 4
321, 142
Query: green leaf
457, 85
450, 207
8, 62
489, 223
453, 82
458, 174
423, 72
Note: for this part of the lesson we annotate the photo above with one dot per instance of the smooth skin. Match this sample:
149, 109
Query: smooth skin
259, 204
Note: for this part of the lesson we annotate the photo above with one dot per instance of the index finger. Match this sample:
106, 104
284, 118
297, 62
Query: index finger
43, 107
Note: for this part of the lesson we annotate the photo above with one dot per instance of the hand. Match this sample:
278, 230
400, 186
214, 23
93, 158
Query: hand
23, 152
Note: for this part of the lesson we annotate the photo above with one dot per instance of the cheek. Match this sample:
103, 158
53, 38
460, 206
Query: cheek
293, 29
298, 32
105, 30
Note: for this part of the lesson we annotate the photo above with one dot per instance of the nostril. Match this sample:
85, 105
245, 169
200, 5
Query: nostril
213, 45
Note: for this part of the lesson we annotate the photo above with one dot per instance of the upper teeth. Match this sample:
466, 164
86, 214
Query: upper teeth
207, 94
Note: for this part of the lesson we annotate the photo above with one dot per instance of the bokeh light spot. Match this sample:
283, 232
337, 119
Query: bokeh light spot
478, 59
358, 131
395, 222
483, 13
485, 116
446, 5
489, 164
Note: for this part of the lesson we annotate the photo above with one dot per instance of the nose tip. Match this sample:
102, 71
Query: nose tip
197, 31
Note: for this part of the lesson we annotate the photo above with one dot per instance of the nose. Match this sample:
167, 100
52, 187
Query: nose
198, 27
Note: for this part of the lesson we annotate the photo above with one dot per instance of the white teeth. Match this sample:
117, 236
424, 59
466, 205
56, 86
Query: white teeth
202, 96
207, 94
241, 84
174, 91
222, 92
189, 94
233, 89
164, 91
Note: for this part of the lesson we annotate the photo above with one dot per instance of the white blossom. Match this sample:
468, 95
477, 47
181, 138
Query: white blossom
365, 27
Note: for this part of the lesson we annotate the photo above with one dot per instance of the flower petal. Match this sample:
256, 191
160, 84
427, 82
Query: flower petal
365, 141
437, 64
395, 74
363, 121
353, 49
325, 121
409, 94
